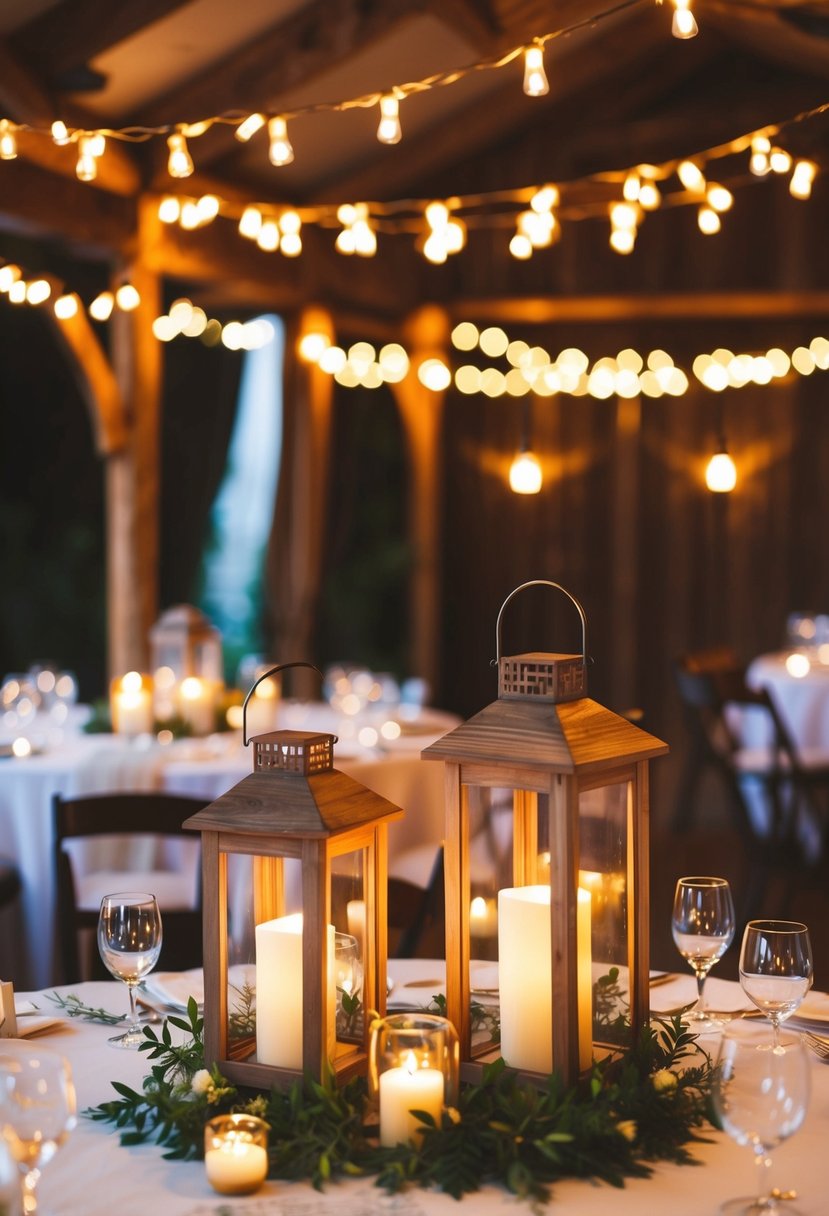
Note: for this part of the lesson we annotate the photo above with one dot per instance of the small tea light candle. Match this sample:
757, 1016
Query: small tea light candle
403, 1090
235, 1154
483, 917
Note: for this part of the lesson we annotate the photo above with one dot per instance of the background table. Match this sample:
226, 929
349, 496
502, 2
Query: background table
93, 1175
802, 700
204, 768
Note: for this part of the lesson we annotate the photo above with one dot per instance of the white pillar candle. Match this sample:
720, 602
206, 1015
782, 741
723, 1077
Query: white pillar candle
132, 705
525, 978
196, 705
355, 914
403, 1090
279, 992
236, 1167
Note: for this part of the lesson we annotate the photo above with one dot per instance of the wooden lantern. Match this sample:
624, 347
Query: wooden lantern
294, 805
576, 776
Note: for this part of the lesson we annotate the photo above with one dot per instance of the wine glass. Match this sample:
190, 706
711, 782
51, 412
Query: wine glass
129, 941
37, 1110
776, 968
703, 929
761, 1096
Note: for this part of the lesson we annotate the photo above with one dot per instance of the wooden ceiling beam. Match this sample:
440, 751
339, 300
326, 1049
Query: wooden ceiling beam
71, 34
672, 306
32, 200
22, 97
619, 49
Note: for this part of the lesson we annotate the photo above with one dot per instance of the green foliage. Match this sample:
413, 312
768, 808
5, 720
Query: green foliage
74, 1007
644, 1106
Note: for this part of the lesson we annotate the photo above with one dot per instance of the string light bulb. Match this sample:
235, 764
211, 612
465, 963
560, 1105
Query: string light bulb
721, 473
179, 162
525, 475
127, 297
248, 127
780, 160
60, 133
86, 167
38, 291
691, 176
683, 24
8, 140
759, 161
536, 83
101, 307
169, 209
389, 130
66, 306
718, 197
708, 220
803, 174
290, 227
250, 223
280, 149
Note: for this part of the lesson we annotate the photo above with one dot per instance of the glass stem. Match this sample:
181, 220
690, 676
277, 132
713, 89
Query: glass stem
135, 1025
766, 1201
702, 976
28, 1193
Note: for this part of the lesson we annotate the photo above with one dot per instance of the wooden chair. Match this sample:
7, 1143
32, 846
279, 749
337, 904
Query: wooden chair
153, 822
416, 915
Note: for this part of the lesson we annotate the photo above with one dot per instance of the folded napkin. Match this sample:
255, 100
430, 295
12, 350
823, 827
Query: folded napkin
174, 988
31, 1020
813, 1014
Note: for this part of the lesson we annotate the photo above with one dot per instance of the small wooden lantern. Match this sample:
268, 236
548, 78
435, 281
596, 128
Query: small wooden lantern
294, 804
184, 640
577, 778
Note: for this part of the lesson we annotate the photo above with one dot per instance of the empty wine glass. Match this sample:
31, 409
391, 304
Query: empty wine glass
761, 1096
37, 1110
703, 929
129, 941
776, 968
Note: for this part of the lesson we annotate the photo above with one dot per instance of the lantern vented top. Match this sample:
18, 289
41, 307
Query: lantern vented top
293, 751
540, 676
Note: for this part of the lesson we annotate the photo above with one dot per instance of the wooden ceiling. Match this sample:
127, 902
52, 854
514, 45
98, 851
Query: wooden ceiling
622, 90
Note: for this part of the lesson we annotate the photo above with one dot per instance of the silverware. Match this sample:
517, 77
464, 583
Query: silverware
819, 1045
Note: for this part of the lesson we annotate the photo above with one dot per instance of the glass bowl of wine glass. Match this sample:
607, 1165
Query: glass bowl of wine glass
37, 1110
129, 942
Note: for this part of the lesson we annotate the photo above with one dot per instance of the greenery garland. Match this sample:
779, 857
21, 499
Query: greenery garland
628, 1113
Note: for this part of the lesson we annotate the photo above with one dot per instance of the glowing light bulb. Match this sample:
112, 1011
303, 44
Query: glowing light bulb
525, 474
60, 132
66, 306
760, 149
311, 347
389, 130
691, 176
631, 187
189, 218
9, 274
251, 223
8, 140
719, 198
97, 144
779, 160
803, 175
249, 126
268, 236
521, 247
101, 307
179, 162
622, 240
708, 220
17, 291
649, 196
169, 209
280, 149
721, 474
127, 297
208, 208
536, 83
683, 24
38, 291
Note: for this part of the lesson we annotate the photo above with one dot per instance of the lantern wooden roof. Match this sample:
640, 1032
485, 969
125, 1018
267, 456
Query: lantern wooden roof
296, 802
573, 736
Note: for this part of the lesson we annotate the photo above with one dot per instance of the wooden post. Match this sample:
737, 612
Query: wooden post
421, 409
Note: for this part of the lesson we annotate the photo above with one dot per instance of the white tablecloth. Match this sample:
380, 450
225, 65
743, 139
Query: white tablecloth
802, 699
204, 768
92, 1175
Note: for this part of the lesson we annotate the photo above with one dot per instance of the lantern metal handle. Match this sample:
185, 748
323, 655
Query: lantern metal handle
273, 671
541, 582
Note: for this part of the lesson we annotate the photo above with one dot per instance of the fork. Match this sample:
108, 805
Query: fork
818, 1045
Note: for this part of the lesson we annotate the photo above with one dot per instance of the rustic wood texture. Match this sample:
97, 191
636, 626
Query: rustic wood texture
457, 890
638, 895
564, 881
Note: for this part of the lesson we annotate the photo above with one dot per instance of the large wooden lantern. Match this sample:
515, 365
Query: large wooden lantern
295, 812
573, 921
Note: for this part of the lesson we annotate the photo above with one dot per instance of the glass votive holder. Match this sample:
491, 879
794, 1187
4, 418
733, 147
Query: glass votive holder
348, 983
236, 1153
413, 1066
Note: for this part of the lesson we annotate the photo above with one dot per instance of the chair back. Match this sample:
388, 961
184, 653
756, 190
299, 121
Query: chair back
150, 824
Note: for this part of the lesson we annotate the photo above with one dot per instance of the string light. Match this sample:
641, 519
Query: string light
290, 240
357, 235
525, 475
721, 473
38, 291
389, 130
66, 306
248, 127
708, 221
759, 161
101, 307
536, 83
624, 220
169, 209
446, 235
8, 140
280, 149
683, 24
691, 176
179, 162
127, 297
250, 223
60, 133
803, 175
91, 148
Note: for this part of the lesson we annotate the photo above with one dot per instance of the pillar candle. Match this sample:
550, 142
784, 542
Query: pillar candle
355, 914
196, 705
279, 991
525, 978
131, 704
403, 1090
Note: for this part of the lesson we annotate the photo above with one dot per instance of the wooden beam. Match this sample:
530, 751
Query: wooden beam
96, 380
22, 97
32, 199
674, 306
314, 39
118, 173
68, 35
613, 53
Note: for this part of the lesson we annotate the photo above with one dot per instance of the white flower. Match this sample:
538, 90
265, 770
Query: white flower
202, 1081
627, 1128
663, 1080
